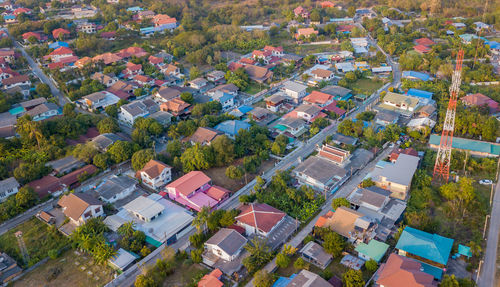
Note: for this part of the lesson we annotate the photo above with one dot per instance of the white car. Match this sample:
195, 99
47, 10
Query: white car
485, 182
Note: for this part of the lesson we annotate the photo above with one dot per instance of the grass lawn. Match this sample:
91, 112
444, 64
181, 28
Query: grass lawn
335, 267
365, 86
74, 270
38, 237
305, 50
218, 175
254, 87
186, 274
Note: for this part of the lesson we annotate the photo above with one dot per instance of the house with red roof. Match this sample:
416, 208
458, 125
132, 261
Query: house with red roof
332, 108
306, 112
275, 51
344, 28
132, 51
424, 42
59, 54
301, 11
132, 70
403, 271
318, 98
259, 218
155, 174
156, 61
59, 33
111, 35
327, 4
28, 35
397, 151
262, 55
421, 49
144, 80
195, 190
306, 32
164, 22
212, 279
22, 10
480, 100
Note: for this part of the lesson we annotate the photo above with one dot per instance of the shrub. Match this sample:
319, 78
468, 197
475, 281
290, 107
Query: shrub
53, 253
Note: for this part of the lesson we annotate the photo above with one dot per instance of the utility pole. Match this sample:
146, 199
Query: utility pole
485, 224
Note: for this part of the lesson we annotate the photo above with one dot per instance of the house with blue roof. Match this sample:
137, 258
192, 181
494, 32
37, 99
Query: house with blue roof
419, 93
9, 18
473, 147
134, 9
58, 44
414, 75
232, 127
467, 38
432, 250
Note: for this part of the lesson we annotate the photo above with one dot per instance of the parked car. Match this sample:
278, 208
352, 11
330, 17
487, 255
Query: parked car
485, 182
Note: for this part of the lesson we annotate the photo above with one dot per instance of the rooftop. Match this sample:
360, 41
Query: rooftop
144, 206
260, 215
229, 240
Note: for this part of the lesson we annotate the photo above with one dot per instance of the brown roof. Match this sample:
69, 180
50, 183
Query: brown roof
73, 177
46, 216
46, 185
322, 73
176, 106
15, 80
153, 168
259, 74
403, 271
343, 220
168, 93
75, 204
217, 192
260, 215
189, 182
205, 135
107, 58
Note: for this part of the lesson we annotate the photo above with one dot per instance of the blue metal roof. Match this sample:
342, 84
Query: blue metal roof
414, 74
245, 109
283, 281
134, 9
58, 44
419, 93
8, 17
225, 98
433, 247
232, 127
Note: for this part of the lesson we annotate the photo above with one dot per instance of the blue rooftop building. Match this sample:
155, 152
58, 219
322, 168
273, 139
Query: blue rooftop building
413, 75
419, 94
58, 44
232, 127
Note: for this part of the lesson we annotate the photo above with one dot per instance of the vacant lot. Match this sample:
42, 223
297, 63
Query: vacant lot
218, 175
38, 237
72, 269
365, 86
186, 274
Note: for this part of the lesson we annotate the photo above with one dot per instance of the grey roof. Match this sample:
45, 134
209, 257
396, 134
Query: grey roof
228, 240
115, 185
103, 141
8, 184
308, 279
40, 109
308, 109
292, 123
276, 98
7, 119
294, 86
386, 116
216, 74
33, 103
259, 112
336, 91
94, 97
65, 163
135, 108
359, 159
162, 117
316, 252
400, 172
320, 169
342, 139
292, 57
168, 93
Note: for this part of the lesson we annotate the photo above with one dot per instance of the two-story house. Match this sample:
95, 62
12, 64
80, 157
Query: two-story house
259, 218
319, 98
98, 100
155, 174
295, 91
80, 207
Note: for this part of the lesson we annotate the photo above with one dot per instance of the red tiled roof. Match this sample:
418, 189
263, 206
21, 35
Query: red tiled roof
217, 192
108, 35
155, 60
318, 98
271, 48
260, 215
61, 51
189, 182
153, 168
73, 177
345, 28
46, 185
247, 61
422, 49
233, 66
259, 53
333, 108
211, 279
57, 32
27, 35
425, 42
480, 100
403, 271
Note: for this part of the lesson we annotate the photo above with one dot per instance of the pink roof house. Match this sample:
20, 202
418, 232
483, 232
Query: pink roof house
195, 190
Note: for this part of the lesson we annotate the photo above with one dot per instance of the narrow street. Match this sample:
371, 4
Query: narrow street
39, 73
489, 267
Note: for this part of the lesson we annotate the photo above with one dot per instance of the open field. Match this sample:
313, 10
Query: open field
186, 274
38, 237
74, 269
365, 86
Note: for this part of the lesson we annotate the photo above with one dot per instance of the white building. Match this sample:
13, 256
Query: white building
226, 244
116, 188
137, 109
294, 90
155, 174
8, 187
98, 100
80, 207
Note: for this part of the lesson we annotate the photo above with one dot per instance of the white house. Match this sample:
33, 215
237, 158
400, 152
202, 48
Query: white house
80, 207
259, 218
226, 244
44, 111
137, 109
294, 90
115, 188
98, 100
225, 99
8, 187
155, 174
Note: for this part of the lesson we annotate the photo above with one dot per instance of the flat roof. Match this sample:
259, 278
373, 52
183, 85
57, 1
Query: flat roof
144, 206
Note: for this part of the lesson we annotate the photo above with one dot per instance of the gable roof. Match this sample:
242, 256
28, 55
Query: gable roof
154, 168
75, 204
343, 220
229, 240
211, 279
8, 184
433, 247
425, 42
318, 98
403, 271
189, 182
232, 127
260, 216
374, 249
204, 134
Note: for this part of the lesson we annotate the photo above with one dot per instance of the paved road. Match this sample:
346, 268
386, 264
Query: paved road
40, 74
344, 191
12, 223
489, 267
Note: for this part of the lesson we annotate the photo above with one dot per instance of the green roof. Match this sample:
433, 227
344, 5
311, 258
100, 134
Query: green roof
280, 127
467, 144
433, 247
464, 250
374, 249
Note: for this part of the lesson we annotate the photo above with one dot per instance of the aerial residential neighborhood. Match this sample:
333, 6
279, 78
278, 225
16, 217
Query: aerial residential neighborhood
250, 143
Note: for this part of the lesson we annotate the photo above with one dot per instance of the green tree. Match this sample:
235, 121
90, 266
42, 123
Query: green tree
340, 201
223, 148
107, 125
194, 73
196, 157
449, 281
200, 221
127, 229
371, 265
282, 260
300, 264
259, 254
101, 160
279, 145
141, 157
353, 278
26, 197
262, 278
234, 172
121, 151
174, 148
187, 97
334, 244
112, 111
43, 90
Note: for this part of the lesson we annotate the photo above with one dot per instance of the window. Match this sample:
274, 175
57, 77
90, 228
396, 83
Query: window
87, 214
97, 210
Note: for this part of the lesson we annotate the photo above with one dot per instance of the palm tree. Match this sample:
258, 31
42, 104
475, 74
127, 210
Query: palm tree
34, 131
127, 229
201, 218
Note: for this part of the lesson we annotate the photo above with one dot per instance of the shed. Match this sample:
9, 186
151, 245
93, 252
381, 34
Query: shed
373, 250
